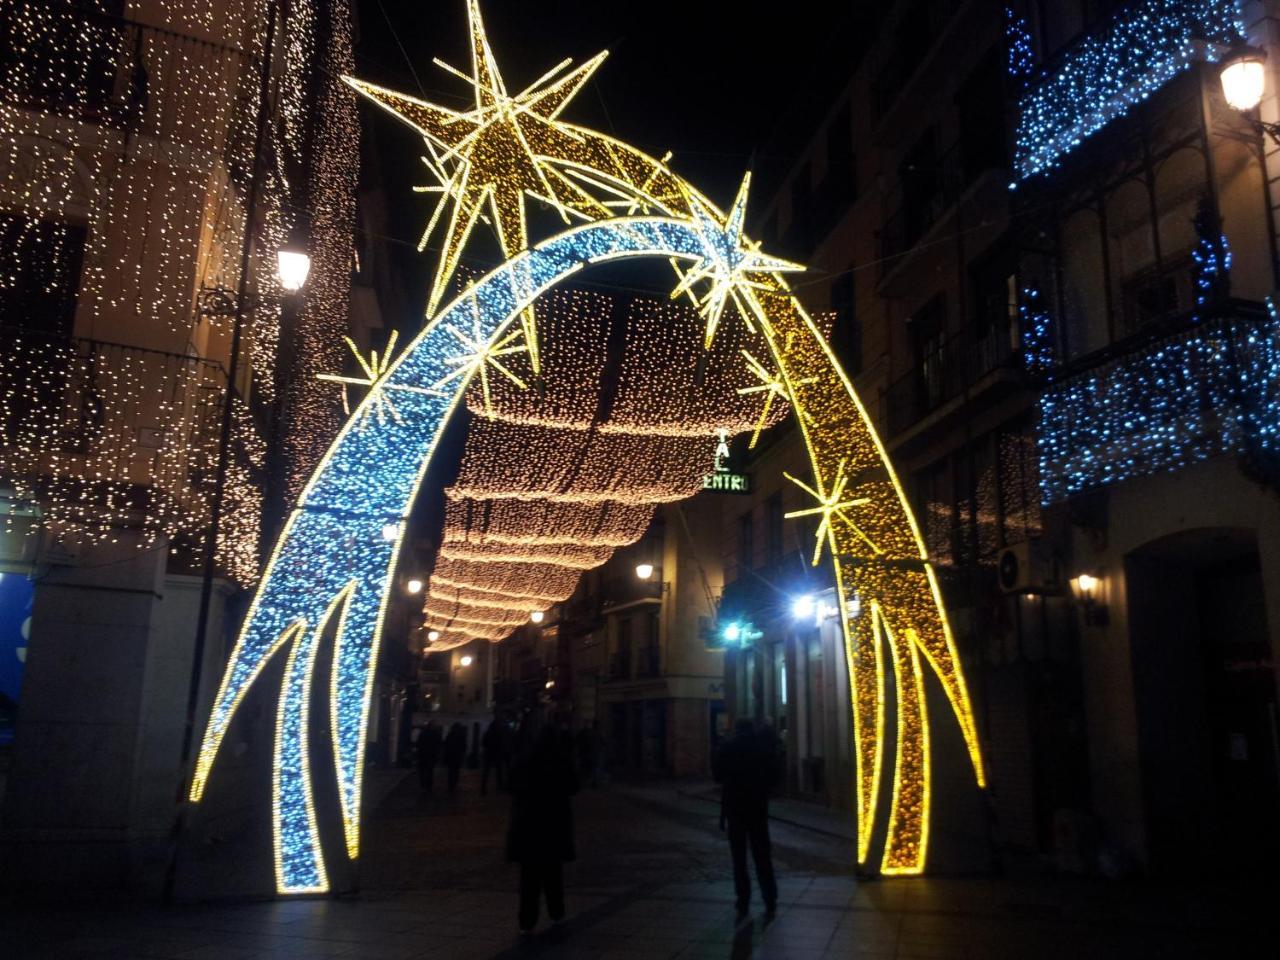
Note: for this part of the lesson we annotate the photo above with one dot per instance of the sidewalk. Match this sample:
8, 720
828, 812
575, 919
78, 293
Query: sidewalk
799, 813
652, 880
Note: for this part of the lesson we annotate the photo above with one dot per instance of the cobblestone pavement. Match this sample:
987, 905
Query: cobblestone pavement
651, 881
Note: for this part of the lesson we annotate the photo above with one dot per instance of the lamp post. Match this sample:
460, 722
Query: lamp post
1243, 75
263, 125
1242, 72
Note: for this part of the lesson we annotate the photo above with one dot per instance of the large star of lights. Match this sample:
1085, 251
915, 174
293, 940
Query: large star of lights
495, 155
732, 267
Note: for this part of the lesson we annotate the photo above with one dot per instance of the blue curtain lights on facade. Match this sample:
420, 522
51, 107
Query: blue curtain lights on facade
336, 558
1020, 46
1104, 75
1207, 392
1037, 332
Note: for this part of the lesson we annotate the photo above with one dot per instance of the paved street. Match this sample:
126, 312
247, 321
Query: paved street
652, 881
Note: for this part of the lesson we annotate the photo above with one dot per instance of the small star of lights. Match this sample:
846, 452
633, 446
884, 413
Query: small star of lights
830, 506
771, 385
375, 371
481, 356
731, 268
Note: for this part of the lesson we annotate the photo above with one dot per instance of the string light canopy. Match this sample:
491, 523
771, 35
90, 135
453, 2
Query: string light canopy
332, 563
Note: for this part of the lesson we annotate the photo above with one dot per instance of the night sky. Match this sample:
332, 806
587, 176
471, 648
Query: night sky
719, 83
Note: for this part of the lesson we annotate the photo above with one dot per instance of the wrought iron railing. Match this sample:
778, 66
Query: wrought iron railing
105, 435
1117, 65
1162, 401
945, 372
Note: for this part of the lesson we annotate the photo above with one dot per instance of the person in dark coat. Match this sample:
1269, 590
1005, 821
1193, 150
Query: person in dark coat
589, 753
540, 836
455, 750
428, 750
494, 746
746, 766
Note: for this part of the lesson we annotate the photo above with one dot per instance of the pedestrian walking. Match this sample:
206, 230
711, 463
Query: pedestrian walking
746, 767
495, 745
455, 750
540, 836
428, 750
589, 753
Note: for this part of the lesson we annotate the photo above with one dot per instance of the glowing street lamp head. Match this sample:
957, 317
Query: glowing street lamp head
1243, 76
733, 632
644, 571
1086, 583
433, 635
802, 607
466, 660
293, 261
413, 587
537, 616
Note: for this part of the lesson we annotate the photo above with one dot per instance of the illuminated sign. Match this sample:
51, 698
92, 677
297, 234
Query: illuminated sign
722, 479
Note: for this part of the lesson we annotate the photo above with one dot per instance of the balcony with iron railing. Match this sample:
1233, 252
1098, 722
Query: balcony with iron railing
967, 362
102, 436
64, 62
966, 181
1118, 65
1161, 400
626, 589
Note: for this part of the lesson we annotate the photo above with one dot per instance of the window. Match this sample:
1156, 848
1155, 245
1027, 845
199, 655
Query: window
798, 238
40, 262
846, 331
773, 530
995, 328
927, 332
978, 103
746, 543
622, 655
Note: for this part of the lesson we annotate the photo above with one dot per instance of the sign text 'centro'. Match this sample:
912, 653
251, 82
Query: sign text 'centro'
721, 479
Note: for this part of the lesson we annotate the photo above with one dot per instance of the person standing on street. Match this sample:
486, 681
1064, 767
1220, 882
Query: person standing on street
540, 835
494, 747
589, 753
455, 750
428, 750
746, 767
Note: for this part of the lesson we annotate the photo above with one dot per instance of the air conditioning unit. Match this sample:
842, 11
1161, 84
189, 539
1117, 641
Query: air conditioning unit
1027, 567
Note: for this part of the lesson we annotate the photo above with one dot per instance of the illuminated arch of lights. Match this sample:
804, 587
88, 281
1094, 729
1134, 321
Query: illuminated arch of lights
335, 561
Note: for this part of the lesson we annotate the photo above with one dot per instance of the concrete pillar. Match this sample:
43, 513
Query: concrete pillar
91, 794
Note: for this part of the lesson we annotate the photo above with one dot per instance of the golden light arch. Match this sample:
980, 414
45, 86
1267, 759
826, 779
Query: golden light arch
336, 557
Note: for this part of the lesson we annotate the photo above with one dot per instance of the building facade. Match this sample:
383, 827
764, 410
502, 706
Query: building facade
1052, 294
630, 656
154, 156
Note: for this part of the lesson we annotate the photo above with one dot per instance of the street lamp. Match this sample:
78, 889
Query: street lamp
537, 616
433, 635
293, 260
1087, 589
644, 571
466, 660
802, 607
413, 587
1243, 75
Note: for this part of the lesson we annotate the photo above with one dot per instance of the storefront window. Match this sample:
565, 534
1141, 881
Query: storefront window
16, 593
